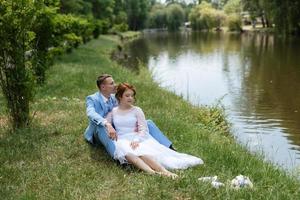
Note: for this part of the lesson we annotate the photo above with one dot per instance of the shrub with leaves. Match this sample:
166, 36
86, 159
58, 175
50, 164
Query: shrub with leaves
157, 17
43, 27
70, 31
105, 25
16, 57
234, 22
175, 17
117, 28
205, 17
97, 28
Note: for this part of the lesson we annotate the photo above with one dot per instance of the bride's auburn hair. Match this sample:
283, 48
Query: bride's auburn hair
122, 87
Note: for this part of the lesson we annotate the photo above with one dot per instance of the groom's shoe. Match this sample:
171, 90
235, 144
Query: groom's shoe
171, 147
90, 143
94, 142
126, 166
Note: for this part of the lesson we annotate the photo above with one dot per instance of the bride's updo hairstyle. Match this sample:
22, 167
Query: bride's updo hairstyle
122, 87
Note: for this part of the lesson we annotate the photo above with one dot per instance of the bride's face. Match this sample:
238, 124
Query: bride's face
127, 97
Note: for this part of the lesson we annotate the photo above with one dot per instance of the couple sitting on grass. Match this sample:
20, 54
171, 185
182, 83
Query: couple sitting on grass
121, 127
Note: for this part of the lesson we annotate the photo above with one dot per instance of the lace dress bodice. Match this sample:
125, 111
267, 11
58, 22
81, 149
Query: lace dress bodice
129, 121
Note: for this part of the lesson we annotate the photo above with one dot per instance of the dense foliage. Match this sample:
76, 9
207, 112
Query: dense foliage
284, 14
16, 39
31, 34
157, 17
204, 16
175, 17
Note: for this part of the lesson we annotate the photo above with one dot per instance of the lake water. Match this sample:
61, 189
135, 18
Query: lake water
256, 77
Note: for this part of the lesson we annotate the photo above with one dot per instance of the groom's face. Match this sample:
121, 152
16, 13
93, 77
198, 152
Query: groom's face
108, 86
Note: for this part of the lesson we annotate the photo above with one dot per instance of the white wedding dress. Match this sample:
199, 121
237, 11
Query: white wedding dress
131, 126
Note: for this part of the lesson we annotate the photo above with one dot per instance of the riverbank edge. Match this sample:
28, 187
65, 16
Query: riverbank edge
51, 160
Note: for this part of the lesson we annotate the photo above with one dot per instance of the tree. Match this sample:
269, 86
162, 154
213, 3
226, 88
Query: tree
261, 9
76, 7
30, 32
103, 9
233, 7
175, 17
157, 17
204, 16
137, 11
16, 45
294, 17
284, 13
44, 30
286, 16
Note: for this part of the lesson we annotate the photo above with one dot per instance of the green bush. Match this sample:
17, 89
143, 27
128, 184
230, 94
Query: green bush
175, 17
56, 51
204, 16
105, 25
31, 34
43, 27
117, 28
16, 57
71, 41
157, 17
233, 6
234, 22
71, 30
121, 18
97, 28
84, 28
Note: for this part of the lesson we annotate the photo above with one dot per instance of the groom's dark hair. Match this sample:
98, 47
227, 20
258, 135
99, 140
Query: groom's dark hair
102, 78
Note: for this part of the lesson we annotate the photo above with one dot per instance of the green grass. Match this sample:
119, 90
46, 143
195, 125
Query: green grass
51, 160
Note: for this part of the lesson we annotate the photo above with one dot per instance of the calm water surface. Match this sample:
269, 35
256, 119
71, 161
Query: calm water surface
255, 77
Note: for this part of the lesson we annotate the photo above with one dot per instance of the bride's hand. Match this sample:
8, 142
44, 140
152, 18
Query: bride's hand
134, 144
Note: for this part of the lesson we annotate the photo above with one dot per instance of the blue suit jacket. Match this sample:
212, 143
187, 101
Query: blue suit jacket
96, 110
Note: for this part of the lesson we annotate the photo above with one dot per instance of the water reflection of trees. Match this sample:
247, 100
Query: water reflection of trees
177, 43
267, 70
173, 43
137, 51
272, 80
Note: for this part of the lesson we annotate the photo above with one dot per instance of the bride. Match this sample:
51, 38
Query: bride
135, 145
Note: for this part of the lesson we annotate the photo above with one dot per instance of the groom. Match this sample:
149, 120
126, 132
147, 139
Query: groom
97, 107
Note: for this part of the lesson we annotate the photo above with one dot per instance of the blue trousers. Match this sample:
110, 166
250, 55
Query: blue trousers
110, 146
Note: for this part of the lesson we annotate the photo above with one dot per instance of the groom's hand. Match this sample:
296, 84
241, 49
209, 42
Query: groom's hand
112, 134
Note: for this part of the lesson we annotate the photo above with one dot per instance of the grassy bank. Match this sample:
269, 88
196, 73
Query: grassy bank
51, 160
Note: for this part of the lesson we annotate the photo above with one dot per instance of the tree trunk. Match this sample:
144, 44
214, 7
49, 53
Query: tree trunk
268, 23
263, 21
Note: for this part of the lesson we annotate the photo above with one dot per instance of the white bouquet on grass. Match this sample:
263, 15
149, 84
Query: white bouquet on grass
241, 181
